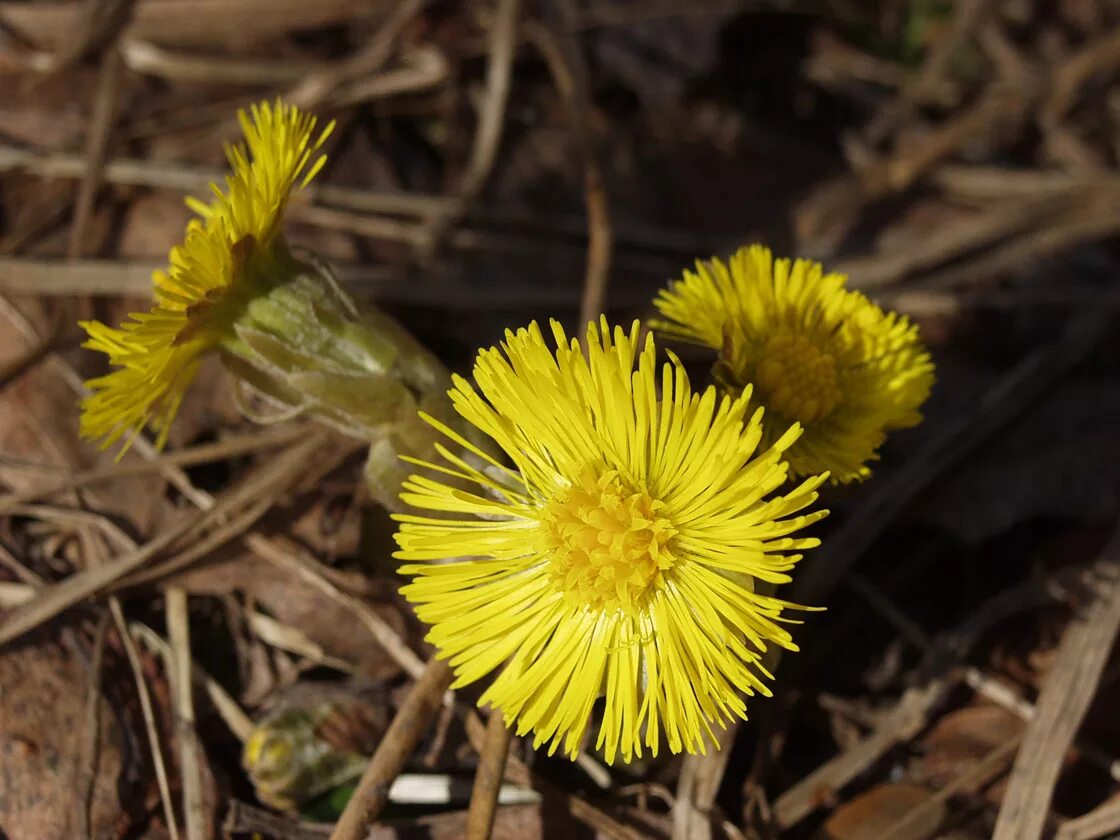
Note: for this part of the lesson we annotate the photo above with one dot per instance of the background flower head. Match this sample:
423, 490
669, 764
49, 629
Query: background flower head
618, 556
229, 253
816, 354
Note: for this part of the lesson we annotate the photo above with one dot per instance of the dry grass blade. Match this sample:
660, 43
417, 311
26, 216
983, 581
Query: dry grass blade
1069, 689
488, 778
293, 640
266, 482
182, 687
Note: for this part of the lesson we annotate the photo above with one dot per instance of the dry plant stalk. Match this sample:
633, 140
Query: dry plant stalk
409, 724
488, 778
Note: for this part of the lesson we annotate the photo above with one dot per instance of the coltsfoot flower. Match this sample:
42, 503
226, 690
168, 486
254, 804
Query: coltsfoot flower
230, 254
275, 315
816, 353
618, 556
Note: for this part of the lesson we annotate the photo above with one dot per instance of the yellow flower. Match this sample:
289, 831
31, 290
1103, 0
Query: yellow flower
618, 557
816, 353
229, 254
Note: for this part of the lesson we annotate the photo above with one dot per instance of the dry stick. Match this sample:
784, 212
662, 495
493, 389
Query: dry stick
396, 746
488, 778
182, 686
570, 77
1069, 689
148, 714
1099, 56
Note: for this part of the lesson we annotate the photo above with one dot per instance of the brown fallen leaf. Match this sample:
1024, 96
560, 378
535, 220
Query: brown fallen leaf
873, 812
961, 739
43, 733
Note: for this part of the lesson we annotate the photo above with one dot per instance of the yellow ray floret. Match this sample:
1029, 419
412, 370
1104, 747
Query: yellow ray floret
617, 557
816, 353
223, 259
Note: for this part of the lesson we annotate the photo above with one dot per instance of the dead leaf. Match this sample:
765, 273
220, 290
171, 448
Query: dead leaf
869, 815
42, 736
963, 738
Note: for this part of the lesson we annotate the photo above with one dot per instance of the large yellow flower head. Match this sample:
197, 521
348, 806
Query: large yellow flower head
816, 353
618, 556
229, 254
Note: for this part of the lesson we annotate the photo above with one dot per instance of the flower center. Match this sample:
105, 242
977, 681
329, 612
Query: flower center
608, 542
796, 379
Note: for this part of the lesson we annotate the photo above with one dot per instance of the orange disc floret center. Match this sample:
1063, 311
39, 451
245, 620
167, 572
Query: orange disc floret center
796, 379
608, 542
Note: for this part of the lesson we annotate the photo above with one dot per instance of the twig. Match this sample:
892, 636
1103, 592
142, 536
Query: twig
1062, 704
148, 714
182, 687
488, 778
396, 746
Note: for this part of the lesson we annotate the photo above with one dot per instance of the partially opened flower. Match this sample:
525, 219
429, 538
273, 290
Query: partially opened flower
232, 253
617, 555
816, 353
276, 316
